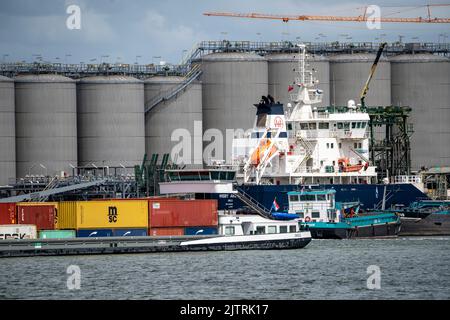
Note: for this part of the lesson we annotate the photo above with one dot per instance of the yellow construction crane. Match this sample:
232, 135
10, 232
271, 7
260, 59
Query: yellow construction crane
360, 18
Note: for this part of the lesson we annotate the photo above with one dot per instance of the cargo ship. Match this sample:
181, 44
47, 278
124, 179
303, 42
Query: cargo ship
295, 146
425, 218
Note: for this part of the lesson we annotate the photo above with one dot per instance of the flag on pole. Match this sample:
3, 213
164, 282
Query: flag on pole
275, 205
290, 88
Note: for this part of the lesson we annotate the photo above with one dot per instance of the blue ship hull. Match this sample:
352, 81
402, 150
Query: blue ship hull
370, 195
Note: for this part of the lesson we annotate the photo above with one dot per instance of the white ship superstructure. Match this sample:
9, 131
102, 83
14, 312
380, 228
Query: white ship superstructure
305, 144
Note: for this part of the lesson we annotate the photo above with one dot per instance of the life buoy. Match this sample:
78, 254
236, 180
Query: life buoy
307, 219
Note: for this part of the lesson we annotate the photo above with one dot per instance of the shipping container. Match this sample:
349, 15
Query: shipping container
42, 216
55, 204
166, 231
17, 231
114, 214
129, 232
182, 213
57, 234
192, 231
94, 233
8, 213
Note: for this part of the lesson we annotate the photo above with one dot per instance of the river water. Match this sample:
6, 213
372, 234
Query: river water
410, 268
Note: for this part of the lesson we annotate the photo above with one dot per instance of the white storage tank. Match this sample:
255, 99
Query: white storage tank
46, 124
110, 121
7, 131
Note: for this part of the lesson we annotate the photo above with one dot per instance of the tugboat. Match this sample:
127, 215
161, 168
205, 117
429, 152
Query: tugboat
240, 232
325, 218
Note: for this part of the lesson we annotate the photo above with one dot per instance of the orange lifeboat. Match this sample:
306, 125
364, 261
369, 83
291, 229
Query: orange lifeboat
345, 166
261, 149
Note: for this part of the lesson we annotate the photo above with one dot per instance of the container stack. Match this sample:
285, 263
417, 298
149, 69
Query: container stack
173, 217
108, 218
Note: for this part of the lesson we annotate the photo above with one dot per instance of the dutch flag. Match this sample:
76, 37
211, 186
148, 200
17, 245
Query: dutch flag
275, 205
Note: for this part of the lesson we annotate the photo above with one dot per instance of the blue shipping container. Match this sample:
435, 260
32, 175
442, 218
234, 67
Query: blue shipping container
130, 232
191, 231
94, 233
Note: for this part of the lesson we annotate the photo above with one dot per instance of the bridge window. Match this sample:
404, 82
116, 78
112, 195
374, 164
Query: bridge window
353, 125
346, 125
324, 125
272, 229
300, 214
359, 125
315, 214
292, 229
229, 231
303, 126
312, 126
307, 197
283, 229
321, 197
340, 125
260, 230
293, 197
364, 124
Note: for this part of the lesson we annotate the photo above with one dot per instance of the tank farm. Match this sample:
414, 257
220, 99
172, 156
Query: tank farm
84, 146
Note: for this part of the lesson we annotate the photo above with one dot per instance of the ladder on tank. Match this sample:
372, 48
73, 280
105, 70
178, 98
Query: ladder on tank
192, 75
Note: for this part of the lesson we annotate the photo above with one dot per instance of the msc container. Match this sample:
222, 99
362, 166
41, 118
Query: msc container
57, 234
179, 231
141, 232
42, 216
94, 233
8, 213
116, 214
17, 231
182, 213
192, 231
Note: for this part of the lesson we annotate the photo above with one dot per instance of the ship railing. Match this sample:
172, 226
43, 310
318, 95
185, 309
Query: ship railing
406, 179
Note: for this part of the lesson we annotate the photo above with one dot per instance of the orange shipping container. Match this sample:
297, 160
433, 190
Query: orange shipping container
182, 213
166, 232
8, 213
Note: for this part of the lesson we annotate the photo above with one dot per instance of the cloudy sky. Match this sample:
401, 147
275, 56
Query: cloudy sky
144, 30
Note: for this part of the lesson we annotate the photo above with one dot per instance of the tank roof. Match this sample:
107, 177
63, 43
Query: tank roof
420, 57
161, 79
5, 79
110, 79
356, 57
292, 57
43, 78
233, 56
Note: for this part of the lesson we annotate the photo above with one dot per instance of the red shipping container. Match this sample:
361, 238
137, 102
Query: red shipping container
182, 213
166, 232
42, 216
8, 213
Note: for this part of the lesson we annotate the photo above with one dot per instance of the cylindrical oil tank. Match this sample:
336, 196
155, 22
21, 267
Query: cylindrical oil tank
46, 124
110, 121
283, 69
232, 82
180, 116
422, 82
348, 75
7, 131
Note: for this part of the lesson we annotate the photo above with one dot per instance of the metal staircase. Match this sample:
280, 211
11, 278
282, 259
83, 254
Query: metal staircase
192, 75
252, 203
308, 150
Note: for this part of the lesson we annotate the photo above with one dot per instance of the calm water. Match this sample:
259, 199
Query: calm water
411, 268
